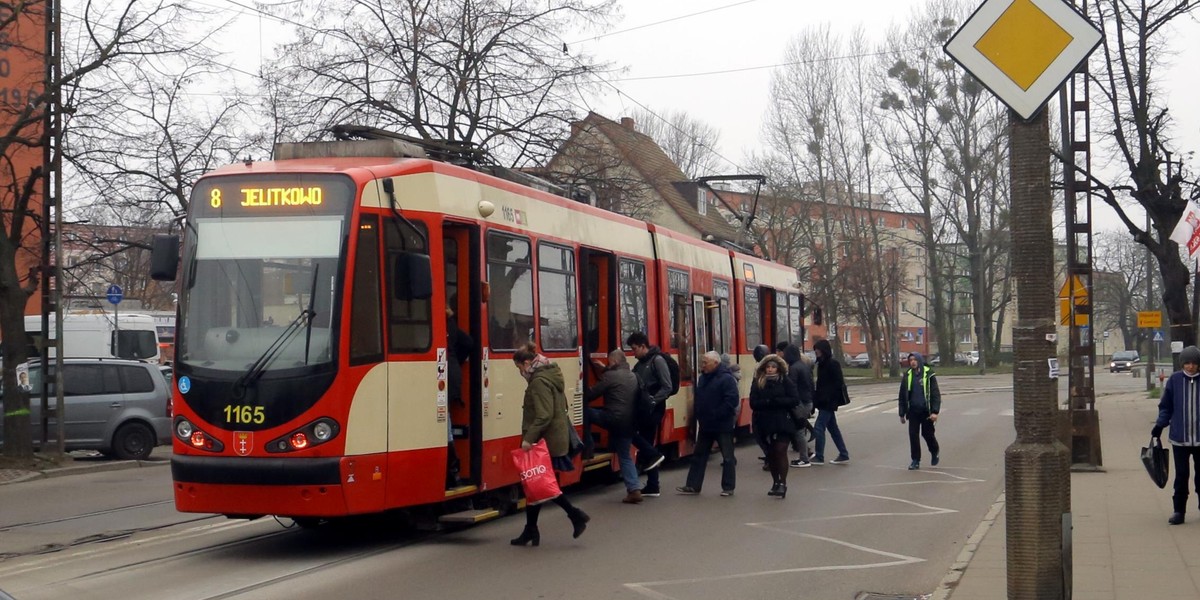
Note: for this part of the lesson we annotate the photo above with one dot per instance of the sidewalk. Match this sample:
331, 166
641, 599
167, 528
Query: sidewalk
87, 464
1123, 548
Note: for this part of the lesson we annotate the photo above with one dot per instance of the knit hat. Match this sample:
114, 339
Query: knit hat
1191, 354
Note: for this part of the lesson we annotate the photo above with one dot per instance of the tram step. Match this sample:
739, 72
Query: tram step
600, 461
470, 516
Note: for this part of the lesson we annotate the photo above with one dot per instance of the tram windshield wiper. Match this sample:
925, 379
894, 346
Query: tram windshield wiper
255, 370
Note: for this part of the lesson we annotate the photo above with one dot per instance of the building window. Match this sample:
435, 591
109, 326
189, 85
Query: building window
862, 335
904, 307
701, 201
920, 283
846, 336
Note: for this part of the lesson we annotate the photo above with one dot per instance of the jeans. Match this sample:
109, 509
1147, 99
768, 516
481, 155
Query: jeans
704, 442
642, 445
619, 445
827, 419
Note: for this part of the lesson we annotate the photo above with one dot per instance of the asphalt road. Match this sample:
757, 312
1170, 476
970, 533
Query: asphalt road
868, 526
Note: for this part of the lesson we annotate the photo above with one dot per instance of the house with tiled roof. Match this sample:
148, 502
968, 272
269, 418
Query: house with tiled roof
629, 173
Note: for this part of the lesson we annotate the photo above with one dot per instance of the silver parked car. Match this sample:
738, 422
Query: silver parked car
118, 407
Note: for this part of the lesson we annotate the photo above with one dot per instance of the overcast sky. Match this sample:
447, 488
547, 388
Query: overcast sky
738, 35
713, 58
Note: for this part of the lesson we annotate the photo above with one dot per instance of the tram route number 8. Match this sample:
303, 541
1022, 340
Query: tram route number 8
245, 415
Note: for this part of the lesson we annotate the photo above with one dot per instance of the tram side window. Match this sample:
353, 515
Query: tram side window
557, 313
409, 325
795, 319
678, 287
781, 317
510, 301
753, 317
633, 298
366, 327
721, 322
681, 316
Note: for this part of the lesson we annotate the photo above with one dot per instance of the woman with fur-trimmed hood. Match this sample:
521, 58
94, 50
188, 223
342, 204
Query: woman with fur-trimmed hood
773, 395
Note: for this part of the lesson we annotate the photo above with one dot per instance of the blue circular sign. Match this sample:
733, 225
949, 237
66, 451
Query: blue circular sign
115, 294
185, 384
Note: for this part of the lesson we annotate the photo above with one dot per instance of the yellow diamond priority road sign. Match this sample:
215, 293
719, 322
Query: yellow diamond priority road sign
1023, 50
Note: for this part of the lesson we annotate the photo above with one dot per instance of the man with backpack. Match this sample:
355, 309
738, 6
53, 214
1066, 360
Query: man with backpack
654, 371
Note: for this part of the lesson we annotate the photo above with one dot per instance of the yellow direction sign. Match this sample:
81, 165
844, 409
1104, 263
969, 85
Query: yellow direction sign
1064, 313
1023, 50
1073, 288
1149, 319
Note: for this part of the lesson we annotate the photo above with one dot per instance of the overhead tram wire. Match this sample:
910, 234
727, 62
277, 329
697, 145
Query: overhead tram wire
664, 21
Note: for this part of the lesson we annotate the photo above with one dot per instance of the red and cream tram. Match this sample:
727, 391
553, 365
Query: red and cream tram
311, 364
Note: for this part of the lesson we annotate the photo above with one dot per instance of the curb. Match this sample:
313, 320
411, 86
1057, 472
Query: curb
946, 588
97, 467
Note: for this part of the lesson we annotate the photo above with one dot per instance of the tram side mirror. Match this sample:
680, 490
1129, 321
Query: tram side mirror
412, 276
164, 257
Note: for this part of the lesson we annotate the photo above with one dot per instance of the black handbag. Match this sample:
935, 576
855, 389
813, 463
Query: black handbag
574, 442
845, 399
1156, 460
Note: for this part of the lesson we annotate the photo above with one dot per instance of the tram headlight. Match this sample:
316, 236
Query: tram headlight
322, 431
183, 429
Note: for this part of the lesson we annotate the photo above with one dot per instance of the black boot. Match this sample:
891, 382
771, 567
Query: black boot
530, 534
579, 521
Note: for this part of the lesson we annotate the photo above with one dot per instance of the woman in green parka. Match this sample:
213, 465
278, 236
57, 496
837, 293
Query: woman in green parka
544, 416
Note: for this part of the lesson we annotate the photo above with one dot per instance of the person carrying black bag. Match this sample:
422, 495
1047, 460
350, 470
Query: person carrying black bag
772, 397
827, 396
801, 375
655, 375
1179, 409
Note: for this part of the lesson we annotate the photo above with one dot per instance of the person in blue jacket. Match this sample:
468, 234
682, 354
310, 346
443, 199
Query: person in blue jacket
716, 404
1179, 409
920, 403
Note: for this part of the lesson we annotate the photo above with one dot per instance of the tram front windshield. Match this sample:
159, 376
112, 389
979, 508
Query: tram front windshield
261, 286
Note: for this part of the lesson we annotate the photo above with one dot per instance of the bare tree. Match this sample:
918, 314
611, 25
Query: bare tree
689, 142
103, 37
483, 73
1119, 284
909, 101
1135, 127
799, 161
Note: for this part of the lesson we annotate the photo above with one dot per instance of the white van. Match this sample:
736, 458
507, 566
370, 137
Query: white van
102, 335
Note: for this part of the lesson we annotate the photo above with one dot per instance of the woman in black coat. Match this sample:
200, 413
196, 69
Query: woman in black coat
773, 395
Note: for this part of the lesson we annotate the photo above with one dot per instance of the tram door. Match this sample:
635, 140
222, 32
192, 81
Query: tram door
600, 333
461, 252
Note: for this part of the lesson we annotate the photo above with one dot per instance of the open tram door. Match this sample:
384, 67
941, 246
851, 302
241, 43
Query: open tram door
461, 253
598, 293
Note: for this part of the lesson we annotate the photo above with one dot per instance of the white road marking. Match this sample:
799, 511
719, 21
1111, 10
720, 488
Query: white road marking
645, 588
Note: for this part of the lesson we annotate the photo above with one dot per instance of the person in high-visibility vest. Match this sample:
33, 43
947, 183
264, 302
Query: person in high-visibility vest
920, 403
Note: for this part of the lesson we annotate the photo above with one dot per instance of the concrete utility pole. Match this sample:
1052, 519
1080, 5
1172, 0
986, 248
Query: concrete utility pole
1036, 465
